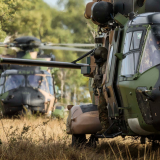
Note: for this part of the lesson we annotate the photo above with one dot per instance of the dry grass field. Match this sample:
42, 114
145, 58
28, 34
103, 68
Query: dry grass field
39, 139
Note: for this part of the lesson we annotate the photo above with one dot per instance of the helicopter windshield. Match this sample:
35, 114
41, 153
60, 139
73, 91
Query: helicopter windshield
14, 81
36, 81
151, 55
131, 52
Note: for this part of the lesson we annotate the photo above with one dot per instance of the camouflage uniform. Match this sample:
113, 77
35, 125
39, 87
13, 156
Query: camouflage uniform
102, 106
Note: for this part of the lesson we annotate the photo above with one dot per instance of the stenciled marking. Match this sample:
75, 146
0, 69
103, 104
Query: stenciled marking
136, 128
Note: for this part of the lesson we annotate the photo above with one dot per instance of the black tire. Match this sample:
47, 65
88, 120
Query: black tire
78, 140
25, 112
92, 141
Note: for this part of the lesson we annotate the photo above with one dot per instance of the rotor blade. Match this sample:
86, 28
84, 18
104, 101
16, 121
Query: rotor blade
64, 48
3, 44
27, 62
71, 44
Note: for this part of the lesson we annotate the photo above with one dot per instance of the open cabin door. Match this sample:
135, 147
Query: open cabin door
110, 79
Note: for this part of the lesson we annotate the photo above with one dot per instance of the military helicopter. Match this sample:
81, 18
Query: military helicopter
28, 89
129, 36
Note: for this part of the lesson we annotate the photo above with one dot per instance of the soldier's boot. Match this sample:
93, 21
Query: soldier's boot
101, 131
105, 126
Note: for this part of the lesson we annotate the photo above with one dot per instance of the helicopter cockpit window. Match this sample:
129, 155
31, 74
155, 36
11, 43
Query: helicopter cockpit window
2, 80
151, 54
14, 81
109, 63
136, 38
39, 82
127, 42
131, 52
50, 83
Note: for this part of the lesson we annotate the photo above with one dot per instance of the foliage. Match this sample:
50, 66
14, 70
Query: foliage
39, 138
36, 18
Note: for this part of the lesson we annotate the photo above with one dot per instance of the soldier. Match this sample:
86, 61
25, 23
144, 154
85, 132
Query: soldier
101, 60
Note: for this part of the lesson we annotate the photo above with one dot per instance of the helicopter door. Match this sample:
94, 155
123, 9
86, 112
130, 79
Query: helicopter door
53, 86
110, 79
2, 80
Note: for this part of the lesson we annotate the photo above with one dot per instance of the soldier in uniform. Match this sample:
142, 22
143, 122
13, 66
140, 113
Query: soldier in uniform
97, 87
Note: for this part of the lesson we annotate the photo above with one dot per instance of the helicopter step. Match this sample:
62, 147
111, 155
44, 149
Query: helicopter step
109, 134
105, 135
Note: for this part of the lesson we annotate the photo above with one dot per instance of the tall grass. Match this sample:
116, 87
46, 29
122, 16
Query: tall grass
39, 138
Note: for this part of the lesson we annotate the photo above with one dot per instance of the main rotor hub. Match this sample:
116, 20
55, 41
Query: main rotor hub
27, 42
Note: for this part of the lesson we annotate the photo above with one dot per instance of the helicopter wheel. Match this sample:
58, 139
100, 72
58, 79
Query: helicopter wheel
92, 142
155, 145
25, 112
1, 114
28, 112
78, 140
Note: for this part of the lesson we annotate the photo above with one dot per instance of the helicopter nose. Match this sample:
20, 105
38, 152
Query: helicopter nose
26, 99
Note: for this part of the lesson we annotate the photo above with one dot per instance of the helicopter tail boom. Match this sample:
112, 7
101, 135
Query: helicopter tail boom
27, 62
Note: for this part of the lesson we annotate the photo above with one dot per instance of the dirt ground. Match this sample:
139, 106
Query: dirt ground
39, 138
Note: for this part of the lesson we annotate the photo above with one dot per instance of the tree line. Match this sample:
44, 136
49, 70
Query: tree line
36, 18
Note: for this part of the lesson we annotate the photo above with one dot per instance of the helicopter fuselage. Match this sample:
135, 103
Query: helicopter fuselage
132, 84
26, 90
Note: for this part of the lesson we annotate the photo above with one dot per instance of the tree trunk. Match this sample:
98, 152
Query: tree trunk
62, 76
75, 95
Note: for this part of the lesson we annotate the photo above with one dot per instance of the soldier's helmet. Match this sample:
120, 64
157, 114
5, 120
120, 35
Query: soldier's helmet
100, 54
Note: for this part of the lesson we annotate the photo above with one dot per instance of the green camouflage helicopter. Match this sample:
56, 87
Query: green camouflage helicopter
129, 36
28, 89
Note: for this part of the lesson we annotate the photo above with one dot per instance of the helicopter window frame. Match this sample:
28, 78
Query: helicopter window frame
109, 62
2, 85
151, 62
50, 84
134, 51
39, 86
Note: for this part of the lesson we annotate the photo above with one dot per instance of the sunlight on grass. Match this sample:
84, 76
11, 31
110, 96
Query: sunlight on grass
42, 138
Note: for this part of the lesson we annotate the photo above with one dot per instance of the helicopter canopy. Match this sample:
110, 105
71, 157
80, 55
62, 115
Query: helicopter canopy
137, 57
12, 79
146, 18
151, 54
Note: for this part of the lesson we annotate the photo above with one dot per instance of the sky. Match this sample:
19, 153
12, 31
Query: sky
53, 2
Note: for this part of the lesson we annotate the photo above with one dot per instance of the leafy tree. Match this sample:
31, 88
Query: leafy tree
36, 18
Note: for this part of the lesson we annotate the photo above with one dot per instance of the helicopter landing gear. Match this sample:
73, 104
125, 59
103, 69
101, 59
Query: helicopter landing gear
143, 140
1, 114
155, 145
78, 140
25, 111
92, 141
